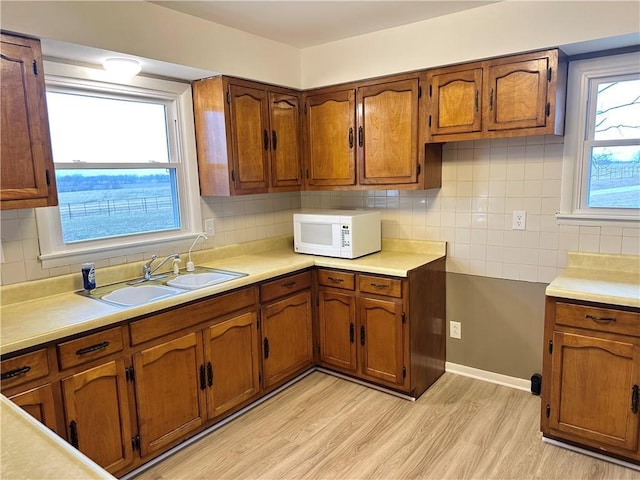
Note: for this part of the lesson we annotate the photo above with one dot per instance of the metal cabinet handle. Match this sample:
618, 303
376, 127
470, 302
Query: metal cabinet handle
379, 285
491, 98
352, 333
265, 139
15, 372
266, 348
362, 335
600, 319
476, 100
274, 139
351, 137
360, 137
635, 393
288, 284
73, 433
92, 348
337, 280
203, 383
209, 374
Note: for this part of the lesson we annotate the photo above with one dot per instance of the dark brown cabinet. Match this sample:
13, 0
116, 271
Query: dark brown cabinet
247, 136
590, 394
504, 97
27, 178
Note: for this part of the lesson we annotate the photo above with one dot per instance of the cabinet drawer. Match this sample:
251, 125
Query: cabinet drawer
182, 317
284, 286
23, 368
391, 287
331, 278
601, 319
90, 347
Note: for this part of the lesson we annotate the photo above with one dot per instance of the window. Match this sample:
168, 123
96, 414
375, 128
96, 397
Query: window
601, 170
124, 165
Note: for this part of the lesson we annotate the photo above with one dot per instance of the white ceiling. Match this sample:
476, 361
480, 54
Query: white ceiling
304, 24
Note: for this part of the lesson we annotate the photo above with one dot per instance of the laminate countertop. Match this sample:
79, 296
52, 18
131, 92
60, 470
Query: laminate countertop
47, 310
600, 278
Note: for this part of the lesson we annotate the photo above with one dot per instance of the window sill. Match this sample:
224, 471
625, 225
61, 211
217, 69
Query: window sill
593, 220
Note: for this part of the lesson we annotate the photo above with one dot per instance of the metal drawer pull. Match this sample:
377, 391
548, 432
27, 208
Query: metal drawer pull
635, 393
600, 319
380, 285
288, 284
92, 348
73, 434
338, 280
15, 373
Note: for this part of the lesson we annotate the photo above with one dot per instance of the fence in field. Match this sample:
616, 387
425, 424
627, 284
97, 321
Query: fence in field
115, 207
603, 170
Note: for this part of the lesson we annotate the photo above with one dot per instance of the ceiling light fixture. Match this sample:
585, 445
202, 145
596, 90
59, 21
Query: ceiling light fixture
122, 67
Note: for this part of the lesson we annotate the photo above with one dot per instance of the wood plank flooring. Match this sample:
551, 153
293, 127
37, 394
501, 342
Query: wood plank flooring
328, 428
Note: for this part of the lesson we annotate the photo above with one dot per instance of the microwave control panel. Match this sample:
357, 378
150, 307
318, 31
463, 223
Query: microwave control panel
345, 236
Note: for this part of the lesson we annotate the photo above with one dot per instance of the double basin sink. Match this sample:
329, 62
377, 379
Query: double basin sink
132, 295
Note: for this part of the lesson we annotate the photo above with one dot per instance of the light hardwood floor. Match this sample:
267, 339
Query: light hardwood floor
328, 428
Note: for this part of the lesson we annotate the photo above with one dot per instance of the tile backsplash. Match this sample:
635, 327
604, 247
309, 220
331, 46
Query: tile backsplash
483, 182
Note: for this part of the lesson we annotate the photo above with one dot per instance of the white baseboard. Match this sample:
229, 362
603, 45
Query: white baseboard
491, 377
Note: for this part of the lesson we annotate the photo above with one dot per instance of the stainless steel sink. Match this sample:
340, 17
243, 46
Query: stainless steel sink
193, 281
139, 295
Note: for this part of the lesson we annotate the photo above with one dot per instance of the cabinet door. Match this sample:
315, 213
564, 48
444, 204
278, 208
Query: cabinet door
39, 403
382, 340
170, 390
27, 177
233, 363
594, 381
337, 329
97, 407
516, 95
287, 342
388, 133
455, 102
286, 165
331, 137
249, 138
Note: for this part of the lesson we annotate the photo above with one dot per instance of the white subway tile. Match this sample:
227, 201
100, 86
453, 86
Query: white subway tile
611, 244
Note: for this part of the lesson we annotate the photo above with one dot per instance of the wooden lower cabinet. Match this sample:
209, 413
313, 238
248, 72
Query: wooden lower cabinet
591, 377
171, 401
385, 330
40, 404
287, 345
97, 414
233, 365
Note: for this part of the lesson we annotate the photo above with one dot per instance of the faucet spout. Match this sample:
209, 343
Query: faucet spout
148, 272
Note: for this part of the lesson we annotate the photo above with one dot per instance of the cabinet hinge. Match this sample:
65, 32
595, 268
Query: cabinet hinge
547, 411
35, 68
549, 74
404, 372
550, 346
229, 98
430, 91
547, 109
404, 318
48, 177
129, 374
429, 120
135, 442
420, 91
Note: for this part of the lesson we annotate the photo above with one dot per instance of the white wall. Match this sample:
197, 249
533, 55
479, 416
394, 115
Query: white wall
491, 30
150, 31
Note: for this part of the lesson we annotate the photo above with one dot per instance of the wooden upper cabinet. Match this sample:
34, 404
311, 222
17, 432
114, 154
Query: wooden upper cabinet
455, 101
388, 133
330, 138
516, 95
510, 96
286, 145
247, 137
27, 177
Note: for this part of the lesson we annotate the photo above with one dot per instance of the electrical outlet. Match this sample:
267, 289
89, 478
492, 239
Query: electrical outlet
519, 220
209, 227
455, 330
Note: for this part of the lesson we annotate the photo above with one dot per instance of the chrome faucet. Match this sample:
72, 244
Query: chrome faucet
147, 271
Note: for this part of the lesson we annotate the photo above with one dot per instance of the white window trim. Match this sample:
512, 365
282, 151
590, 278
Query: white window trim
54, 253
580, 74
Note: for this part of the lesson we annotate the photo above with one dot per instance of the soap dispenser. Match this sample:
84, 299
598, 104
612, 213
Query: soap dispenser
176, 266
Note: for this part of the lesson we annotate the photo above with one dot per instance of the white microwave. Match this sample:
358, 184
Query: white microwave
337, 233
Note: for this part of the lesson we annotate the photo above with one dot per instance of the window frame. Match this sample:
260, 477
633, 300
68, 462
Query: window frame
575, 162
53, 251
